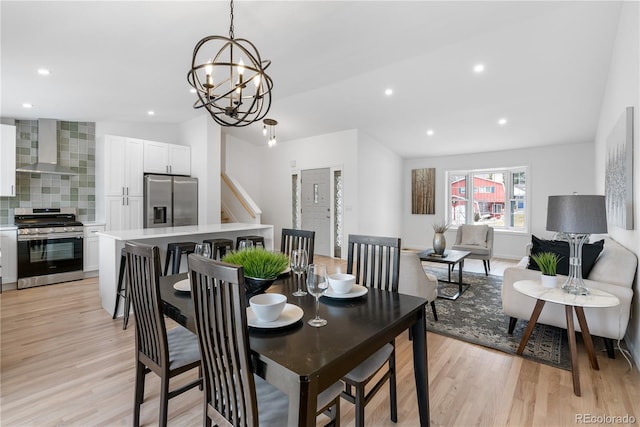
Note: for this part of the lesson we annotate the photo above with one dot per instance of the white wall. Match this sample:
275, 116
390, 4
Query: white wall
553, 170
245, 162
204, 137
271, 178
623, 90
379, 189
161, 132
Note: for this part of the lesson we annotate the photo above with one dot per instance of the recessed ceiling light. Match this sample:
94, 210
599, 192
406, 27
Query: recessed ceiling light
151, 113
26, 105
388, 92
44, 72
502, 122
430, 132
478, 68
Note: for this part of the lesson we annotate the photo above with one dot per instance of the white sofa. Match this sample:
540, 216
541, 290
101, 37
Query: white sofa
613, 272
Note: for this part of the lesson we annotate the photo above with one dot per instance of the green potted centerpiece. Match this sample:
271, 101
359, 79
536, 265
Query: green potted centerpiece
260, 267
547, 262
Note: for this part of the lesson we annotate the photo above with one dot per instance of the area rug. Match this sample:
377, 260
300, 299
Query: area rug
477, 317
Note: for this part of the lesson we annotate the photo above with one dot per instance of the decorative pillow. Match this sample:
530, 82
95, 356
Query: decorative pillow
475, 235
590, 253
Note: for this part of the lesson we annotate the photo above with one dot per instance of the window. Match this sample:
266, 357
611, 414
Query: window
498, 198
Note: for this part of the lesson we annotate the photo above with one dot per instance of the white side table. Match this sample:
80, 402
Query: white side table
595, 299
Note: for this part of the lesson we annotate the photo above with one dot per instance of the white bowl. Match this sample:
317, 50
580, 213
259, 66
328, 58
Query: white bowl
341, 283
267, 307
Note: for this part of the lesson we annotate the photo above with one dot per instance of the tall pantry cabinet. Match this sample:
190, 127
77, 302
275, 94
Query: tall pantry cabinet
119, 181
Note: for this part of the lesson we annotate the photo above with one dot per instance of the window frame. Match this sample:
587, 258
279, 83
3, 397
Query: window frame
510, 199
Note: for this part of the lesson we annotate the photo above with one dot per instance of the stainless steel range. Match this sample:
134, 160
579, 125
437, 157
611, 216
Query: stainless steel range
50, 246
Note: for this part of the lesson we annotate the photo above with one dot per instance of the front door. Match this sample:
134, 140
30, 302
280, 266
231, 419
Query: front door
316, 207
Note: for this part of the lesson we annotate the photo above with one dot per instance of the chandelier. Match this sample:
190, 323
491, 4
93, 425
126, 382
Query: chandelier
269, 127
229, 78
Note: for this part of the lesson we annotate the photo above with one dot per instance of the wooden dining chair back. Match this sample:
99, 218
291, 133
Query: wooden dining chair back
218, 294
233, 396
375, 261
297, 239
167, 353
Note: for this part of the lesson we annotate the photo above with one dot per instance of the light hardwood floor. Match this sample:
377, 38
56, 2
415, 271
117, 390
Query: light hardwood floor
64, 361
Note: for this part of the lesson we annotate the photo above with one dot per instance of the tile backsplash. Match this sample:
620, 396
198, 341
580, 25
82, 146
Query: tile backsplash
76, 150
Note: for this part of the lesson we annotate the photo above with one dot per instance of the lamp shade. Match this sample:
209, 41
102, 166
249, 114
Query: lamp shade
577, 214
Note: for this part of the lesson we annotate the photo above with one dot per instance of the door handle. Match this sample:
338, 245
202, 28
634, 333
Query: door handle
12, 193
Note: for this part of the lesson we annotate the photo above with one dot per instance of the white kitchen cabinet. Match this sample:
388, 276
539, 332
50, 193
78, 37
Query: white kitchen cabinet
124, 175
123, 213
163, 158
9, 248
122, 180
8, 161
91, 255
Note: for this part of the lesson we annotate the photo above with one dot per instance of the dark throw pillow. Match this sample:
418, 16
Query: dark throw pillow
590, 253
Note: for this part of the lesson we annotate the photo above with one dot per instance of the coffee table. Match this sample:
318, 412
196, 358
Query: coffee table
451, 258
596, 298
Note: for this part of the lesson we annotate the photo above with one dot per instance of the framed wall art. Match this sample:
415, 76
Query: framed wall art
619, 172
423, 191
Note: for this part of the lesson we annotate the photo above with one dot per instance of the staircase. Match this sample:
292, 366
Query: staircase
237, 205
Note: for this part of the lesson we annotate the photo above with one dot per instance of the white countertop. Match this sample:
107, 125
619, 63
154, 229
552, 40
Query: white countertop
154, 233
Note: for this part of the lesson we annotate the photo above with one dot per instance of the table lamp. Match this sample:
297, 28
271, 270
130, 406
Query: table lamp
576, 216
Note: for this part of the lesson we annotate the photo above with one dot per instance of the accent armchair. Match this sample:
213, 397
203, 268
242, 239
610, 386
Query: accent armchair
477, 239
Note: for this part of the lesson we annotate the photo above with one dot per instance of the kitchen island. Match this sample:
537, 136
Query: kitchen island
112, 242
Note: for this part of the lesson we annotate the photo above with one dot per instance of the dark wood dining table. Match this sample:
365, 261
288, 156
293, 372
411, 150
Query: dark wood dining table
302, 360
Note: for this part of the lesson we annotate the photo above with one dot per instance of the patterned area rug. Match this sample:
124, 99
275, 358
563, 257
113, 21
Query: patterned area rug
477, 317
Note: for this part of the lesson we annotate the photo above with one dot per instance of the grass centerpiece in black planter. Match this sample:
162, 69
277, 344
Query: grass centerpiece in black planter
261, 268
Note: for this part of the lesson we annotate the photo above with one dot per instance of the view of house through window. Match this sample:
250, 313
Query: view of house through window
496, 197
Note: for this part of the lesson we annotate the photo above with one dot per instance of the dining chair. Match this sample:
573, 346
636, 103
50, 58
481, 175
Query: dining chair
167, 353
375, 261
232, 395
297, 239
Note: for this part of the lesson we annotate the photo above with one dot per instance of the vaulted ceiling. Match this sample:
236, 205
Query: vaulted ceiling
545, 66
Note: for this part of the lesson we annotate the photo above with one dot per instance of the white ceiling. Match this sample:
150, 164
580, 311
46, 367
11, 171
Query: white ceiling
546, 66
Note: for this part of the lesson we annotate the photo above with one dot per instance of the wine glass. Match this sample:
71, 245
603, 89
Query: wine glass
298, 266
203, 249
317, 285
245, 244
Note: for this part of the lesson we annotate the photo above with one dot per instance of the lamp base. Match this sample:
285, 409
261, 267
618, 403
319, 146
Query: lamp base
575, 290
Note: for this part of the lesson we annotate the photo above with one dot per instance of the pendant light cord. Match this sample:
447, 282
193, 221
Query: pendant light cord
231, 26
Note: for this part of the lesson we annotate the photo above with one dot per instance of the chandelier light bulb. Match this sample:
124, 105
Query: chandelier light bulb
240, 68
264, 130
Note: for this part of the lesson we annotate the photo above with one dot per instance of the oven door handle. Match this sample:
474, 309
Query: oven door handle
56, 236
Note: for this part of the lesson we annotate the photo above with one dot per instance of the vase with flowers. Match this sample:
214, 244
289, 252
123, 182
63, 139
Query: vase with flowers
439, 241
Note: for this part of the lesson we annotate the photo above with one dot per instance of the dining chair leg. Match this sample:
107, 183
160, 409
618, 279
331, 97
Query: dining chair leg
164, 400
392, 387
486, 267
139, 393
360, 404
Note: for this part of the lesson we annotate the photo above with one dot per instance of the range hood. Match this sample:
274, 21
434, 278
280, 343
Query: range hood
47, 151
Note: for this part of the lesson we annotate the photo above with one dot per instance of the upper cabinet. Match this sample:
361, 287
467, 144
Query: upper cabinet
163, 158
8, 161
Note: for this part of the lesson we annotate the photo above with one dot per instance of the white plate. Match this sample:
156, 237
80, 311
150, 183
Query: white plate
290, 315
182, 286
355, 292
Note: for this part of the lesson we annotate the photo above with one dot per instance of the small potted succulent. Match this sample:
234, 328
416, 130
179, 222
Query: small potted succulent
547, 262
260, 267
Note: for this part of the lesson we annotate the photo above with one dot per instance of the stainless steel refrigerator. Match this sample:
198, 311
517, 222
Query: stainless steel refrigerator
170, 201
